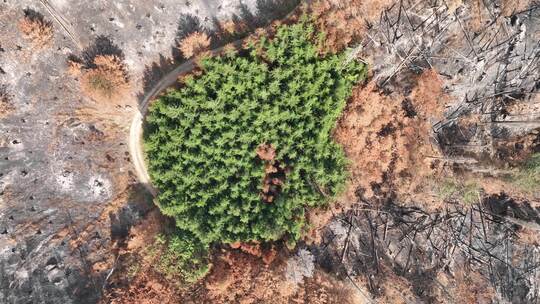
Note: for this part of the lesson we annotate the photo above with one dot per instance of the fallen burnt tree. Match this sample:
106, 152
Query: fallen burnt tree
436, 254
487, 53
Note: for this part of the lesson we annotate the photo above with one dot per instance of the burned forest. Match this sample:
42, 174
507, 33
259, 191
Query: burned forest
270, 151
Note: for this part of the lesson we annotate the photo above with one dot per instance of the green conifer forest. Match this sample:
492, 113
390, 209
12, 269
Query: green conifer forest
240, 152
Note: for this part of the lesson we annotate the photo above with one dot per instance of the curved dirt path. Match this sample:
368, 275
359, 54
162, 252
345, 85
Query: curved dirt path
135, 131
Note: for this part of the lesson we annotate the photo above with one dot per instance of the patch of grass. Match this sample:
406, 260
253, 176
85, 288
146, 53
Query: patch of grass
176, 256
467, 192
527, 176
471, 193
133, 270
100, 82
447, 189
105, 80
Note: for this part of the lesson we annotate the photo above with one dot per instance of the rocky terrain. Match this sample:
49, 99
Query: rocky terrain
453, 94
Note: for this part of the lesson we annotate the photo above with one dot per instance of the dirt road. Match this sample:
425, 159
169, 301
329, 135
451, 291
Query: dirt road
135, 131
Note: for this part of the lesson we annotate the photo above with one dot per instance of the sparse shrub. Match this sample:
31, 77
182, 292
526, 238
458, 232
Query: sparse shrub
468, 192
344, 22
471, 193
215, 144
229, 49
177, 256
75, 67
194, 44
527, 177
133, 270
447, 188
229, 30
341, 293
35, 28
231, 27
105, 80
341, 24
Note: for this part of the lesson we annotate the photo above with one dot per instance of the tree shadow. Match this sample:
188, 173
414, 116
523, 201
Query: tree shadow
157, 70
266, 12
139, 203
36, 16
188, 24
5, 96
276, 9
102, 45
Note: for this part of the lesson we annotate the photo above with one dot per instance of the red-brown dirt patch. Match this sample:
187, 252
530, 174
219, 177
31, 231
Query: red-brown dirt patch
344, 22
387, 138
